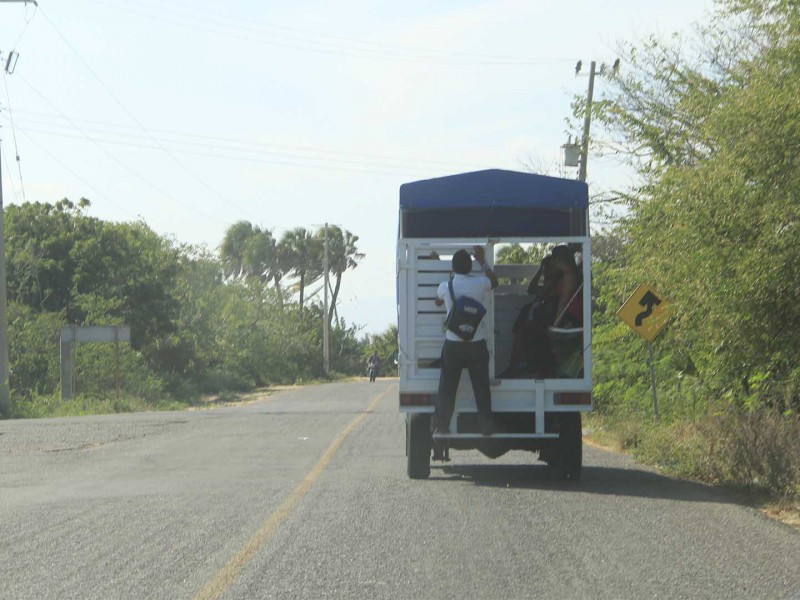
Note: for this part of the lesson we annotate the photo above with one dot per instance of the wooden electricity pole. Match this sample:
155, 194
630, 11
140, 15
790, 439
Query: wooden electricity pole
326, 351
587, 120
5, 403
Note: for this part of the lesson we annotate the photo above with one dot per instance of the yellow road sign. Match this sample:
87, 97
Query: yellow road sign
646, 312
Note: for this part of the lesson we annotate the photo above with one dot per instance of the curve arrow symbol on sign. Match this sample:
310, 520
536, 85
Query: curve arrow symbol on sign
648, 301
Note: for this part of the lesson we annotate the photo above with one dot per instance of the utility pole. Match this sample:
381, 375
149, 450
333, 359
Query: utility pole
326, 351
587, 120
5, 402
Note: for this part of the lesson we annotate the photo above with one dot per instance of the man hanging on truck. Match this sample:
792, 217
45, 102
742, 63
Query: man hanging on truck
459, 353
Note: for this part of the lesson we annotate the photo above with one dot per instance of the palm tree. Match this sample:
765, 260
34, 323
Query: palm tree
342, 255
261, 256
301, 254
232, 249
249, 251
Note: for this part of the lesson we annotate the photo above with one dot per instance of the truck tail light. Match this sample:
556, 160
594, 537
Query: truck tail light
416, 399
582, 398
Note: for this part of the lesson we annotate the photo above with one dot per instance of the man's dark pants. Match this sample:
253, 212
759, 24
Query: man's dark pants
456, 356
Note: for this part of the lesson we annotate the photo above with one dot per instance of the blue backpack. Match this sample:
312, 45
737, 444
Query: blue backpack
465, 315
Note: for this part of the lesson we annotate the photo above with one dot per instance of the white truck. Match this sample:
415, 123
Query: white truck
529, 214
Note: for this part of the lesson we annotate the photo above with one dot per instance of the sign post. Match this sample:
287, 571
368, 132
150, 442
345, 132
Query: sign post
646, 312
653, 380
74, 334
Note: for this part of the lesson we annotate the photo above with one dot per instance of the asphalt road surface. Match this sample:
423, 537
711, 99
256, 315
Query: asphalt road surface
304, 495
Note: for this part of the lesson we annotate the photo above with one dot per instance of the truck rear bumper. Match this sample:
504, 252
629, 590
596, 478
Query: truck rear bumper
494, 436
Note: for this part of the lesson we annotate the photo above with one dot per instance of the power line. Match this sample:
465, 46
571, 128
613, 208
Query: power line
135, 120
241, 146
14, 135
243, 142
114, 158
319, 163
399, 54
27, 22
8, 168
74, 174
301, 32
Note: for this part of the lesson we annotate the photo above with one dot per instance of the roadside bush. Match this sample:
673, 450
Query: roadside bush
33, 351
95, 373
758, 449
214, 382
680, 448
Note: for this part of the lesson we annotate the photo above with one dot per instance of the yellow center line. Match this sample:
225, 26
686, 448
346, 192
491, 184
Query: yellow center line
228, 574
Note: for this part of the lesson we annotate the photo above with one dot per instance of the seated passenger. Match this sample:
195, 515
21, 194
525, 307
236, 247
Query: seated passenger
558, 303
569, 312
532, 317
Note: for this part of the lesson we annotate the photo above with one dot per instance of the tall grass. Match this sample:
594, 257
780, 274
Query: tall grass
757, 449
54, 406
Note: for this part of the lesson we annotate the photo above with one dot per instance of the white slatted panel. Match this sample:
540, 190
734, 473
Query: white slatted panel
432, 279
434, 330
428, 307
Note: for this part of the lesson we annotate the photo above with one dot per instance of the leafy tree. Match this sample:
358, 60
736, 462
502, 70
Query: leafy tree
60, 260
123, 274
39, 240
714, 136
200, 292
518, 254
199, 322
33, 350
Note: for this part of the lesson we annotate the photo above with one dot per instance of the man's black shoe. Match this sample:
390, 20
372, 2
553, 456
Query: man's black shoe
486, 424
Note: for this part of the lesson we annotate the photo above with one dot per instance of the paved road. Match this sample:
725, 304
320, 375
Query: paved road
304, 495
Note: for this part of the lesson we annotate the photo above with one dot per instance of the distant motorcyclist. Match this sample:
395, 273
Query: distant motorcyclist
373, 364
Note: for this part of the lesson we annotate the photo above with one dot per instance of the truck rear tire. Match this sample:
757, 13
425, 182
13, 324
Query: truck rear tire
418, 442
570, 441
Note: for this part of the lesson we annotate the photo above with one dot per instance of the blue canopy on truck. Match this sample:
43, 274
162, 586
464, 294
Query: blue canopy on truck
493, 203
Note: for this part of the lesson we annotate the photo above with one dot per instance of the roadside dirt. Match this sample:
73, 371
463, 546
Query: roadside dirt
210, 402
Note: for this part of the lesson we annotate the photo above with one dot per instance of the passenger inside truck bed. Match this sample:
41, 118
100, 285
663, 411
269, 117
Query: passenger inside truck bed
557, 303
569, 312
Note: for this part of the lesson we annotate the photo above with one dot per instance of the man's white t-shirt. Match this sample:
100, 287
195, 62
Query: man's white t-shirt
474, 285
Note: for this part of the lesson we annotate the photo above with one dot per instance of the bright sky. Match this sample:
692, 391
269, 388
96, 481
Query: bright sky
191, 115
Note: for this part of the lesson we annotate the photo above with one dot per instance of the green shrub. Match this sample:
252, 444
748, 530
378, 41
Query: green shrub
756, 449
679, 448
759, 448
33, 350
96, 372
